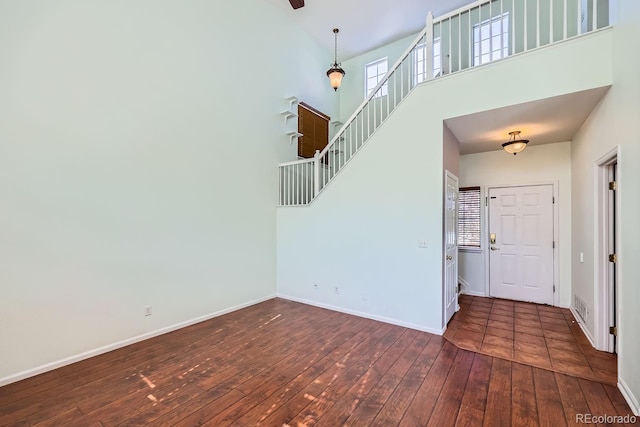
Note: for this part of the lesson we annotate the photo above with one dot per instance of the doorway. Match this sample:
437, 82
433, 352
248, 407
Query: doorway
522, 243
450, 264
607, 252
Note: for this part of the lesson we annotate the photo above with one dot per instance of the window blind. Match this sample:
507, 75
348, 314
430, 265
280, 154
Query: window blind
469, 217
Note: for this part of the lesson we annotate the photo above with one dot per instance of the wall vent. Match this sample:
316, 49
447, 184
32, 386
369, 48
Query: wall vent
580, 307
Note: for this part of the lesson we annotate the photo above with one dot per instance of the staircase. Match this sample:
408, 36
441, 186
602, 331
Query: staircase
482, 32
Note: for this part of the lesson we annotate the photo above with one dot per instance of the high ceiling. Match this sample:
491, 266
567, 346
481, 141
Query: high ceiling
368, 24
364, 24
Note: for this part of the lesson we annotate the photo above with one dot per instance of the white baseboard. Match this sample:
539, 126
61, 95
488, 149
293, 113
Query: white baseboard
473, 293
91, 353
466, 288
628, 396
363, 314
583, 327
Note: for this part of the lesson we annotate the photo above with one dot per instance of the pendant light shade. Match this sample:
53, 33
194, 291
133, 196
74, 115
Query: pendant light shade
335, 73
515, 144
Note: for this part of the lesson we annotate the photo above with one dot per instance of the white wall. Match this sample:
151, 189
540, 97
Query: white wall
362, 233
139, 147
609, 125
549, 163
351, 93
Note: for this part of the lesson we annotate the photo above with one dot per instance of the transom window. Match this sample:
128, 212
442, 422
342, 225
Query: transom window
491, 39
469, 217
374, 73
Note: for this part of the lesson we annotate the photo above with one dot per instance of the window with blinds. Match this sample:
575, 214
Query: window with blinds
469, 217
314, 127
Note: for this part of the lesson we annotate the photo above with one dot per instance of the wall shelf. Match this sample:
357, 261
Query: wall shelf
293, 134
292, 100
287, 114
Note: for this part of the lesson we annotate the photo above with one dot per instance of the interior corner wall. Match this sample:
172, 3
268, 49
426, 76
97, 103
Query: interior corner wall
549, 163
352, 92
451, 151
139, 151
361, 233
609, 125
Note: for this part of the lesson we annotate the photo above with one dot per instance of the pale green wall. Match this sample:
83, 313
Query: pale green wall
139, 146
364, 229
608, 127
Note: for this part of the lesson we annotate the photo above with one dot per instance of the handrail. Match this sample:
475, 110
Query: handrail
302, 180
460, 10
297, 162
382, 82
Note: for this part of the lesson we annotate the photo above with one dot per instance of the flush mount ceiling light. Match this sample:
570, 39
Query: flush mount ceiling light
515, 145
335, 73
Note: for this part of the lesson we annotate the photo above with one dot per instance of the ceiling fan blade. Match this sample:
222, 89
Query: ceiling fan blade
296, 4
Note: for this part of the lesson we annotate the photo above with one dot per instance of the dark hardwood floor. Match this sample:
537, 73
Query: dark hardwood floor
281, 363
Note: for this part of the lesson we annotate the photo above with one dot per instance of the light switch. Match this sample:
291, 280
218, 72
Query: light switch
422, 243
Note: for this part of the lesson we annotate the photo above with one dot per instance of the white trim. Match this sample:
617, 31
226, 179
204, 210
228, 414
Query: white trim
556, 234
475, 294
600, 267
110, 347
363, 314
582, 326
628, 396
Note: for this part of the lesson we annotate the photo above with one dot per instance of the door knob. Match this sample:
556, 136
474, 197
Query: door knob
449, 257
493, 248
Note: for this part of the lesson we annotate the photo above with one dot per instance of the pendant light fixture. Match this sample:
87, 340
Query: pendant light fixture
515, 144
335, 73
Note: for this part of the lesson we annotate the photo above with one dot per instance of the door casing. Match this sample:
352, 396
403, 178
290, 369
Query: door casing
602, 292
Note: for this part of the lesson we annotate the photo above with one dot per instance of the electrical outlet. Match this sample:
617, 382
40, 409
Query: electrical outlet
581, 256
147, 310
422, 244
365, 296
336, 290
316, 286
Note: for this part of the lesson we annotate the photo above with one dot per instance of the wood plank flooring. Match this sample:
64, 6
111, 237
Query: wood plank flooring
281, 363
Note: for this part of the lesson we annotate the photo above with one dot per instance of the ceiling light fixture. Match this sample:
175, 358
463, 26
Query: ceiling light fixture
335, 73
515, 144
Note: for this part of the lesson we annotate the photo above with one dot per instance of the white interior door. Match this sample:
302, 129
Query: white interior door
521, 243
612, 249
450, 246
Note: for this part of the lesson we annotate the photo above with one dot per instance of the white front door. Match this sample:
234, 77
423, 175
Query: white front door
521, 243
450, 246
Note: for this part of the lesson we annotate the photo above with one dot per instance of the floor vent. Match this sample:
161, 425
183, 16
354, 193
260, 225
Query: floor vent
580, 307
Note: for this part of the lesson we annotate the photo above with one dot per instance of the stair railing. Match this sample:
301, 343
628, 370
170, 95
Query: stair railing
298, 184
481, 32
